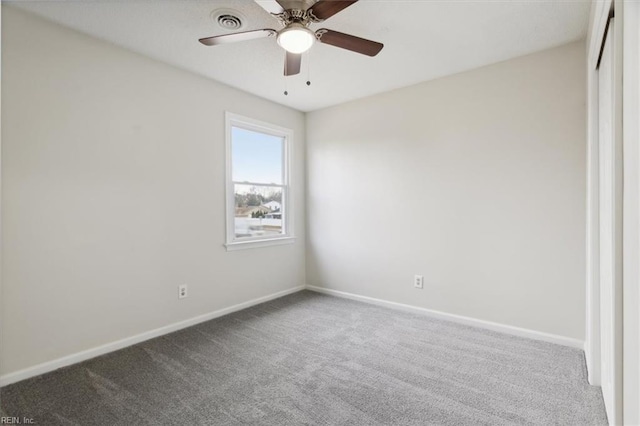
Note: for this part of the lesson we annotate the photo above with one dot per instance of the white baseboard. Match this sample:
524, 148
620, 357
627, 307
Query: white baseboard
55, 364
494, 326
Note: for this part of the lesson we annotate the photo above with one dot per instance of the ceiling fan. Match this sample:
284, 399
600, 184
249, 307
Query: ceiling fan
296, 37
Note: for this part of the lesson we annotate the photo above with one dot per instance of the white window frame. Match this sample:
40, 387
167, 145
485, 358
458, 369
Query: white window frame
287, 236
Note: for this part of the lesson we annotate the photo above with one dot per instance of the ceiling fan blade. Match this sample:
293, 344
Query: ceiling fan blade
349, 42
232, 38
292, 63
271, 6
325, 9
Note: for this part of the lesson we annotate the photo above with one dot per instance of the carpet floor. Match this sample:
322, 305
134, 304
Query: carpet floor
311, 359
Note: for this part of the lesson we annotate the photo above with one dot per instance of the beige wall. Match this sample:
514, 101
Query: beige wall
476, 181
113, 195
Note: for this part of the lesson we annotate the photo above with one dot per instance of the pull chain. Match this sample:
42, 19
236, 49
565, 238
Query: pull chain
309, 68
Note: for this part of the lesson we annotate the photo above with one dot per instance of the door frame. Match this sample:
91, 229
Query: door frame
601, 12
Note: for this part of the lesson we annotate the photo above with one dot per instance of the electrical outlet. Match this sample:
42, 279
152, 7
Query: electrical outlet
418, 281
182, 291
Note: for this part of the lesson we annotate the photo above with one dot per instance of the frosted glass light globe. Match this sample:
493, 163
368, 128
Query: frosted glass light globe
296, 38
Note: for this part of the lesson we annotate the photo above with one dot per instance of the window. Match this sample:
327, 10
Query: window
258, 193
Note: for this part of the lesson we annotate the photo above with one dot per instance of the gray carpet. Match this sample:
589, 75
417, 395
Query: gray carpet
310, 359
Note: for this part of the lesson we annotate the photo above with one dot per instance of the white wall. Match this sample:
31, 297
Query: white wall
476, 181
113, 194
627, 36
631, 218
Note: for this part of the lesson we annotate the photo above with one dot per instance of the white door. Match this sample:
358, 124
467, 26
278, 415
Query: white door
608, 225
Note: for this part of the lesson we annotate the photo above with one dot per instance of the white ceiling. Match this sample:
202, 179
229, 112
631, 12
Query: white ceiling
424, 39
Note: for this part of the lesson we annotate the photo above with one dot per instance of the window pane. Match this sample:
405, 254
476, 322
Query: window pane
258, 211
256, 157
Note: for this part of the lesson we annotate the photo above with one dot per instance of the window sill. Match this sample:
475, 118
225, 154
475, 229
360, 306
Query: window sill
242, 245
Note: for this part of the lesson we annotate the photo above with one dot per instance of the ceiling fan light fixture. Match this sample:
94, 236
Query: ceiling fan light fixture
296, 38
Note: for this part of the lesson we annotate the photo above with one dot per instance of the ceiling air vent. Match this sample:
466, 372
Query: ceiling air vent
228, 19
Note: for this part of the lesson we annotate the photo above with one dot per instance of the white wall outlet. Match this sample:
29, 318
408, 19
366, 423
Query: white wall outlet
418, 281
182, 291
